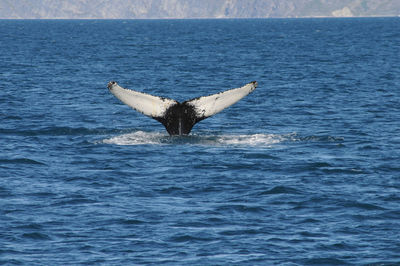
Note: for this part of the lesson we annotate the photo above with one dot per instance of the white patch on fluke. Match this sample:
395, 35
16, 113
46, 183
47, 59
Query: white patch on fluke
147, 104
210, 105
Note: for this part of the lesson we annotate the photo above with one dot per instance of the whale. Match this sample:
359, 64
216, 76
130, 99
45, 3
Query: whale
179, 118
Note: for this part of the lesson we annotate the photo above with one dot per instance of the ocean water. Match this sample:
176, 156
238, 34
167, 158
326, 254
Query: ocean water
305, 170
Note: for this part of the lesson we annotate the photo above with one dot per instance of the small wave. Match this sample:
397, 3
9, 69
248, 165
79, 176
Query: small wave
280, 190
190, 238
20, 161
145, 138
36, 236
315, 138
12, 117
57, 131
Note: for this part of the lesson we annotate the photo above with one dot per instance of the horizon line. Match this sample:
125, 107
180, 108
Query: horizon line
208, 18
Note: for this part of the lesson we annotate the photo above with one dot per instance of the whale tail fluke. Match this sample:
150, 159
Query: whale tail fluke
179, 118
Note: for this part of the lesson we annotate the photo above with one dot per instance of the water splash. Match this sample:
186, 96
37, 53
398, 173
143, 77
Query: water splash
136, 138
251, 140
158, 138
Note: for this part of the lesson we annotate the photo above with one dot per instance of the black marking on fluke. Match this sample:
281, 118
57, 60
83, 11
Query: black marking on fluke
179, 118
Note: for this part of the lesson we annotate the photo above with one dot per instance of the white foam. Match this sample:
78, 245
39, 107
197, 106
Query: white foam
159, 138
251, 140
136, 138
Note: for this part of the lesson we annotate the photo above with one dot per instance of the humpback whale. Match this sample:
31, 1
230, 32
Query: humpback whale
179, 118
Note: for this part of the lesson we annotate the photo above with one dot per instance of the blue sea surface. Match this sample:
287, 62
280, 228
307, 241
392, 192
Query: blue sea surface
305, 170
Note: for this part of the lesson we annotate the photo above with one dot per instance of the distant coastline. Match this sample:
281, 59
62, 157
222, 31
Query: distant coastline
206, 18
205, 9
